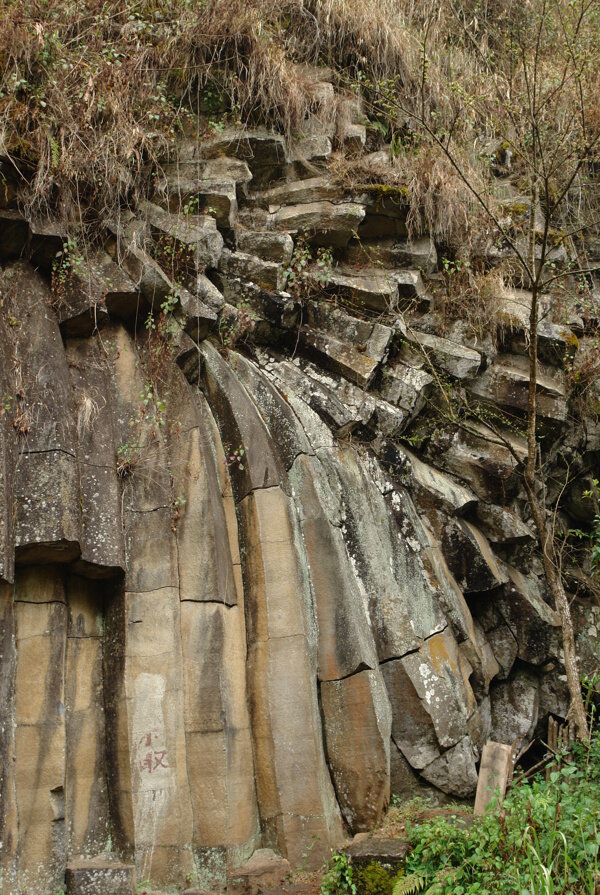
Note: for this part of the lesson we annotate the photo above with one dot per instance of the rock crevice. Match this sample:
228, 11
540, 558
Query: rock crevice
242, 601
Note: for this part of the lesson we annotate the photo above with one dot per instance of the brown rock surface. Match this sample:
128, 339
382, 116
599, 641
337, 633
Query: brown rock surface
8, 456
357, 722
39, 716
294, 793
258, 582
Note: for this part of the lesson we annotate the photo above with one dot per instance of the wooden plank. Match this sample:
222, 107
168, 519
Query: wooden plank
494, 772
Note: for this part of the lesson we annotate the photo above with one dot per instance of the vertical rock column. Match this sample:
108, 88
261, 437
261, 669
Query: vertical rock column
8, 455
8, 668
47, 477
426, 675
148, 716
102, 546
39, 715
220, 764
8, 655
295, 795
358, 721
87, 812
354, 705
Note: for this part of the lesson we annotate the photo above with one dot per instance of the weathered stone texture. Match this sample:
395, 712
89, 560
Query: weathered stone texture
455, 771
244, 611
86, 792
46, 488
345, 641
102, 546
294, 793
8, 455
357, 722
40, 736
108, 877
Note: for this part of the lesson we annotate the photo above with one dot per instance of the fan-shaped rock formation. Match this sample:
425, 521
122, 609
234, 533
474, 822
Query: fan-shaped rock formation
237, 609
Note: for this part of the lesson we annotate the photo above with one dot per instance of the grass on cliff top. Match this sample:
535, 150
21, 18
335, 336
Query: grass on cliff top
543, 840
93, 93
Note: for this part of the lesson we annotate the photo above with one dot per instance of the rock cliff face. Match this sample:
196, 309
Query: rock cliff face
237, 611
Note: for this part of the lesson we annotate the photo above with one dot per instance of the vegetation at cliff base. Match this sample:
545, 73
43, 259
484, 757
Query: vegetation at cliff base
543, 840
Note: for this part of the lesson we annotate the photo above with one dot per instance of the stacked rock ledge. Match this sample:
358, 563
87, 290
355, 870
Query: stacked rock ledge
242, 604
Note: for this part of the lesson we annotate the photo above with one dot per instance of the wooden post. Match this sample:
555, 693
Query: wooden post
494, 772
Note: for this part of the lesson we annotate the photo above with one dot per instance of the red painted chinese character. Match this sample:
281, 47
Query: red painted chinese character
159, 759
146, 763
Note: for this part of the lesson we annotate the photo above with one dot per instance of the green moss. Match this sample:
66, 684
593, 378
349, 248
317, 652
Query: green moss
375, 879
572, 341
518, 208
384, 190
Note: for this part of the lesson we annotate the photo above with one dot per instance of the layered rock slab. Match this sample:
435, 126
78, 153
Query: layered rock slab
357, 723
48, 523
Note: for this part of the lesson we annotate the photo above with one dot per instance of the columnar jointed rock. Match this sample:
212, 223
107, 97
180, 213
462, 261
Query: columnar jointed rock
46, 486
357, 722
244, 612
8, 459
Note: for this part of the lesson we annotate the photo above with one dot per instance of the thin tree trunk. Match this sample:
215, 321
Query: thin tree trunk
549, 558
553, 577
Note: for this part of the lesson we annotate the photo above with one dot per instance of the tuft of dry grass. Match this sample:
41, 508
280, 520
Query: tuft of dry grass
94, 94
472, 297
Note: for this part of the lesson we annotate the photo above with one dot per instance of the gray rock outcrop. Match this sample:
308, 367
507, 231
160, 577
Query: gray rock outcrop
243, 598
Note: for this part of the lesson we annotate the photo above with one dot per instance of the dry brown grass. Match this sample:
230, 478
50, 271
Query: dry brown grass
439, 200
474, 298
95, 93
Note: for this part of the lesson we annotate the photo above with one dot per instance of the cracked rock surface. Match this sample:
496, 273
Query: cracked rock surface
239, 608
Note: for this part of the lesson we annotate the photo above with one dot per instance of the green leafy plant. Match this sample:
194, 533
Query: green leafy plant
65, 266
339, 877
144, 427
161, 331
593, 535
307, 273
191, 206
407, 885
175, 257
456, 274
543, 840
216, 126
235, 456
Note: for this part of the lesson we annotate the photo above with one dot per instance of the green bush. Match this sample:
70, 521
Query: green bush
543, 840
338, 878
